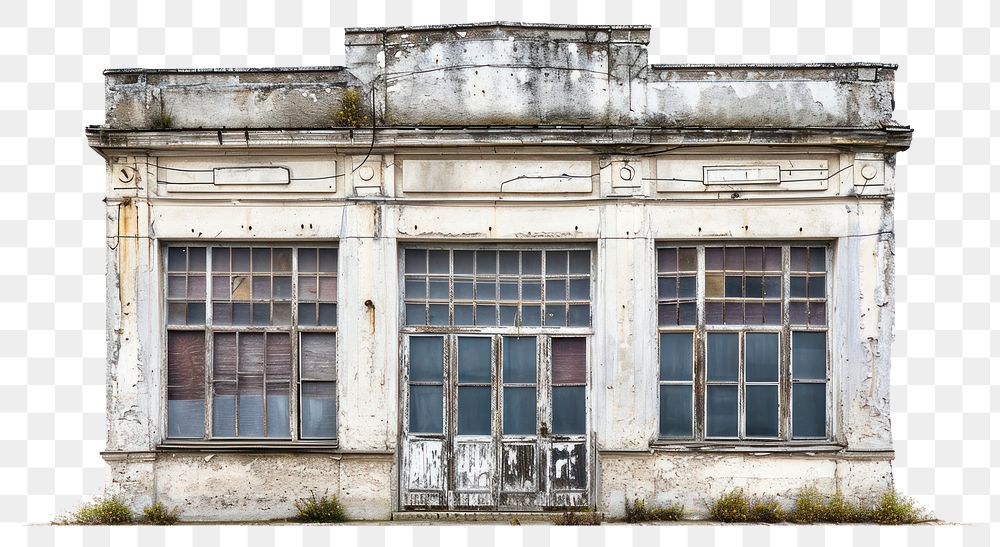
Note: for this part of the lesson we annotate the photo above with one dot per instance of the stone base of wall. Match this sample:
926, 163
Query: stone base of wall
695, 480
252, 487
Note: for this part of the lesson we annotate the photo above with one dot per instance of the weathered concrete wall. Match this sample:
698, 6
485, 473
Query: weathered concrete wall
506, 74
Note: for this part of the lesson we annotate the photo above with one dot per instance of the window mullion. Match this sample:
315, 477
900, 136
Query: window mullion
785, 350
209, 346
698, 378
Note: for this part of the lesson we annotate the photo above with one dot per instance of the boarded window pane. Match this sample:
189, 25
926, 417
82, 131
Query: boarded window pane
426, 358
722, 411
761, 357
809, 355
723, 357
809, 410
319, 410
519, 411
425, 409
474, 357
568, 410
519, 365
186, 384
569, 361
251, 353
676, 356
474, 410
762, 411
318, 351
675, 410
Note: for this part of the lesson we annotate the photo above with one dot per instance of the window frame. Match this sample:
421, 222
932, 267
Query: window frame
700, 331
293, 329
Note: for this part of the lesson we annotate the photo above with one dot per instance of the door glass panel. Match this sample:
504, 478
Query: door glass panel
426, 358
809, 410
761, 357
568, 410
474, 410
425, 409
519, 363
809, 355
723, 357
676, 356
519, 411
319, 410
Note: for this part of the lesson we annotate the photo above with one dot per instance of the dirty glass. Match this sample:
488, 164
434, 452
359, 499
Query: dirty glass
319, 410
723, 357
809, 410
722, 411
809, 355
675, 410
426, 405
426, 358
519, 364
762, 410
676, 356
761, 357
474, 357
474, 406
519, 411
568, 410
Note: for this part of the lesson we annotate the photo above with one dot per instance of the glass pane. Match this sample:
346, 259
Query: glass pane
176, 286
425, 409
579, 262
734, 259
438, 289
307, 287
328, 260
809, 410
687, 314
328, 288
241, 260
277, 412
734, 286
687, 259
666, 288
676, 356
531, 316
486, 262
666, 260
486, 316
464, 315
734, 313
508, 291
686, 287
282, 287
817, 313
556, 262
569, 361
531, 290
555, 315
224, 414
222, 314
220, 260
319, 410
438, 314
196, 259
772, 259
569, 410
797, 313
241, 314
474, 357
798, 286
474, 410
261, 260
579, 315
426, 358
261, 314
817, 287
463, 290
799, 259
507, 315
519, 365
486, 290
761, 357
555, 289
251, 410
713, 313
666, 314
714, 286
416, 314
185, 418
675, 411
438, 262
754, 287
509, 262
281, 314
754, 259
282, 260
762, 411
195, 313
817, 259
579, 289
176, 259
809, 355
307, 314
415, 261
464, 262
531, 263
713, 258
519, 409
721, 419
772, 286
723, 357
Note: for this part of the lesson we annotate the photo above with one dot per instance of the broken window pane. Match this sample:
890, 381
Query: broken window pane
809, 410
473, 410
722, 411
675, 410
519, 411
568, 410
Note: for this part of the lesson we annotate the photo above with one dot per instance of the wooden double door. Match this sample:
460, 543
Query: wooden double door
495, 422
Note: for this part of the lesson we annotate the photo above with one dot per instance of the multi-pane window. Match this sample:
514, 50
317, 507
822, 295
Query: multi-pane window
487, 288
254, 357
743, 342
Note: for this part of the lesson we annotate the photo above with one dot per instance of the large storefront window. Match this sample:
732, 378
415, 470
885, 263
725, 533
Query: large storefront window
743, 342
251, 342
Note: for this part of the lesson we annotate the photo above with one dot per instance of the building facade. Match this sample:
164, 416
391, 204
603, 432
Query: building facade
497, 267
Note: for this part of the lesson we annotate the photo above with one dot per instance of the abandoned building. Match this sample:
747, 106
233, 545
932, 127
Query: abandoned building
497, 267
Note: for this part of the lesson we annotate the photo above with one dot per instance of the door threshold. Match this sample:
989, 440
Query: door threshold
482, 516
